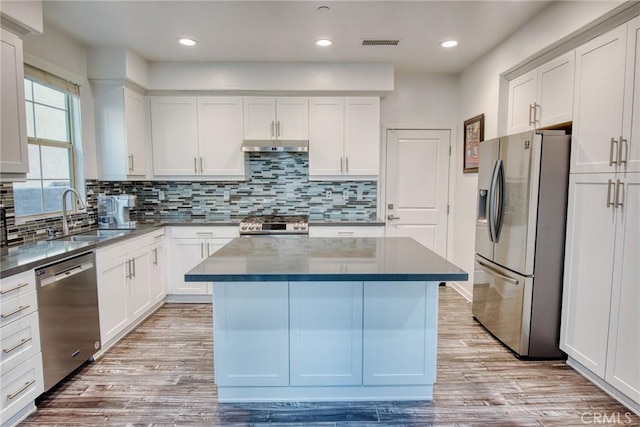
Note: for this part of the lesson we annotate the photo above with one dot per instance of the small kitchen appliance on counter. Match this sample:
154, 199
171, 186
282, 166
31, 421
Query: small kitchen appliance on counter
113, 211
274, 225
523, 182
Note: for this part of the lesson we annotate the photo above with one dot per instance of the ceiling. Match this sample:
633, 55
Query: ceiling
285, 31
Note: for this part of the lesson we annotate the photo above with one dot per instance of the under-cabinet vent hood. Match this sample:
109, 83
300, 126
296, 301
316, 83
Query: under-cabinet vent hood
275, 146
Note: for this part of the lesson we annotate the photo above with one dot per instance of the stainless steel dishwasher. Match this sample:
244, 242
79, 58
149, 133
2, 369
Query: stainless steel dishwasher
68, 310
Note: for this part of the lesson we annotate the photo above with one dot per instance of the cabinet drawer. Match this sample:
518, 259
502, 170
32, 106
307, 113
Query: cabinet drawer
18, 307
19, 284
364, 231
20, 386
20, 341
204, 232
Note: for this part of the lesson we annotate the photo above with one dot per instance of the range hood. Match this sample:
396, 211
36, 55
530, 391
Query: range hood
275, 146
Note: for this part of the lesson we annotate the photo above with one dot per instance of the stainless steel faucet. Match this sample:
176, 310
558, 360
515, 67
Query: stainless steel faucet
81, 205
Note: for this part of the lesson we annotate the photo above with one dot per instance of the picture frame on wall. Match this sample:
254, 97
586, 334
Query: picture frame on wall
473, 135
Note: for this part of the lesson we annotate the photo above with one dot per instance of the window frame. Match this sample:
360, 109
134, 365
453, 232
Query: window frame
71, 114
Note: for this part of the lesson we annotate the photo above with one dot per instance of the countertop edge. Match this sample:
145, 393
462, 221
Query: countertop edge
329, 277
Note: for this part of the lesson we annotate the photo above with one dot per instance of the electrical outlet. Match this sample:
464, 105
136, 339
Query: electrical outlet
360, 195
345, 195
328, 194
226, 195
160, 195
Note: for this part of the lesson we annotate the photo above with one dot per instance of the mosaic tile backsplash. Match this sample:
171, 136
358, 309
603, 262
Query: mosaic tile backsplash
277, 183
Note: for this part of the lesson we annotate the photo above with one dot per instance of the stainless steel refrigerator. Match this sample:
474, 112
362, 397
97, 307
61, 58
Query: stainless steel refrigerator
520, 235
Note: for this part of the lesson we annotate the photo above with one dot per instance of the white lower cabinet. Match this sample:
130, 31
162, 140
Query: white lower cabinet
126, 288
400, 333
346, 231
21, 377
189, 247
326, 350
601, 297
252, 334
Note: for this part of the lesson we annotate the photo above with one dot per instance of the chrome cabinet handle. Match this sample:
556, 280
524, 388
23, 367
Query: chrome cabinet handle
21, 285
128, 263
392, 217
26, 386
272, 127
535, 113
531, 107
612, 160
609, 202
278, 128
345, 233
347, 163
208, 251
16, 311
619, 185
195, 165
201, 250
204, 233
623, 144
155, 256
130, 162
133, 263
341, 165
201, 168
21, 343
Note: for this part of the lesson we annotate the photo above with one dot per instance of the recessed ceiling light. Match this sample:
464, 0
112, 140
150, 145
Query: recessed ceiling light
449, 43
185, 41
324, 42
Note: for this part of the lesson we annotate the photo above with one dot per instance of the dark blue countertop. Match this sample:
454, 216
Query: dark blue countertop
302, 258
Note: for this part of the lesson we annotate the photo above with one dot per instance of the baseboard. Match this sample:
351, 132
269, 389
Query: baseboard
604, 386
461, 290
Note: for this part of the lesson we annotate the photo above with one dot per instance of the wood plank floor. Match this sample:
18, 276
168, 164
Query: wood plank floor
162, 374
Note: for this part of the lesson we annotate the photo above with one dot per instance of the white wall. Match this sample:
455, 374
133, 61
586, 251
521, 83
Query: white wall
61, 55
480, 93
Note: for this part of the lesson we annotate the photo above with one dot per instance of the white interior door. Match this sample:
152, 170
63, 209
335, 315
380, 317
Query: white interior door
417, 186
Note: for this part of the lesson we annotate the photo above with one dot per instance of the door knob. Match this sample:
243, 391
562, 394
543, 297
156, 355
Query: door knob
392, 217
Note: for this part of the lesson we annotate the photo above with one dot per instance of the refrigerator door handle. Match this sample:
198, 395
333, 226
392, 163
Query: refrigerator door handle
491, 202
494, 273
500, 199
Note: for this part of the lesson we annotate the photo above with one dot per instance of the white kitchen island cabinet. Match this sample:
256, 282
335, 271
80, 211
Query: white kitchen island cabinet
292, 321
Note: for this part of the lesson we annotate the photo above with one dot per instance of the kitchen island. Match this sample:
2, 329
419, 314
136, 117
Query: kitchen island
308, 319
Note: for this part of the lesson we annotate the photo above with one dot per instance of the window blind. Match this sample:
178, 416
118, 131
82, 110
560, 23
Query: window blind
48, 79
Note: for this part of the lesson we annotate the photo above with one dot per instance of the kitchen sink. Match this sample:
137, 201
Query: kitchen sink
94, 235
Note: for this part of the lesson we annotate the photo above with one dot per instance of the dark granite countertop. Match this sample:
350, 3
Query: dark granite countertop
301, 258
37, 253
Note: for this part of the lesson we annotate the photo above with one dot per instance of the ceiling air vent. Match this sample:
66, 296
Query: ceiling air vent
379, 42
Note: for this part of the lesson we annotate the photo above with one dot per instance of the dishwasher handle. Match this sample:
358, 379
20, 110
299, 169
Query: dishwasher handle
49, 280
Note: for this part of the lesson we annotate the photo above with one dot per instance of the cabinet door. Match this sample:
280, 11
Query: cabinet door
112, 296
400, 333
157, 275
135, 128
598, 102
588, 269
14, 157
220, 136
259, 118
292, 118
362, 137
251, 331
631, 124
522, 97
186, 254
174, 127
326, 350
140, 283
326, 136
623, 356
555, 91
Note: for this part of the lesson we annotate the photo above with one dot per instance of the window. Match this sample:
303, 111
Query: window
49, 131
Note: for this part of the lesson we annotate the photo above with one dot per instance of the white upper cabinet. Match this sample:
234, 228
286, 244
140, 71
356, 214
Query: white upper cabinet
344, 138
599, 103
14, 158
285, 118
630, 147
122, 130
197, 137
542, 97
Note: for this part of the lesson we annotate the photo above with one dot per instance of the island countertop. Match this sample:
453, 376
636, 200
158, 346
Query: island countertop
302, 258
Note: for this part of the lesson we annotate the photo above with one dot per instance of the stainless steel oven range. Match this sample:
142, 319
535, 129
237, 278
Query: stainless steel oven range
268, 225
